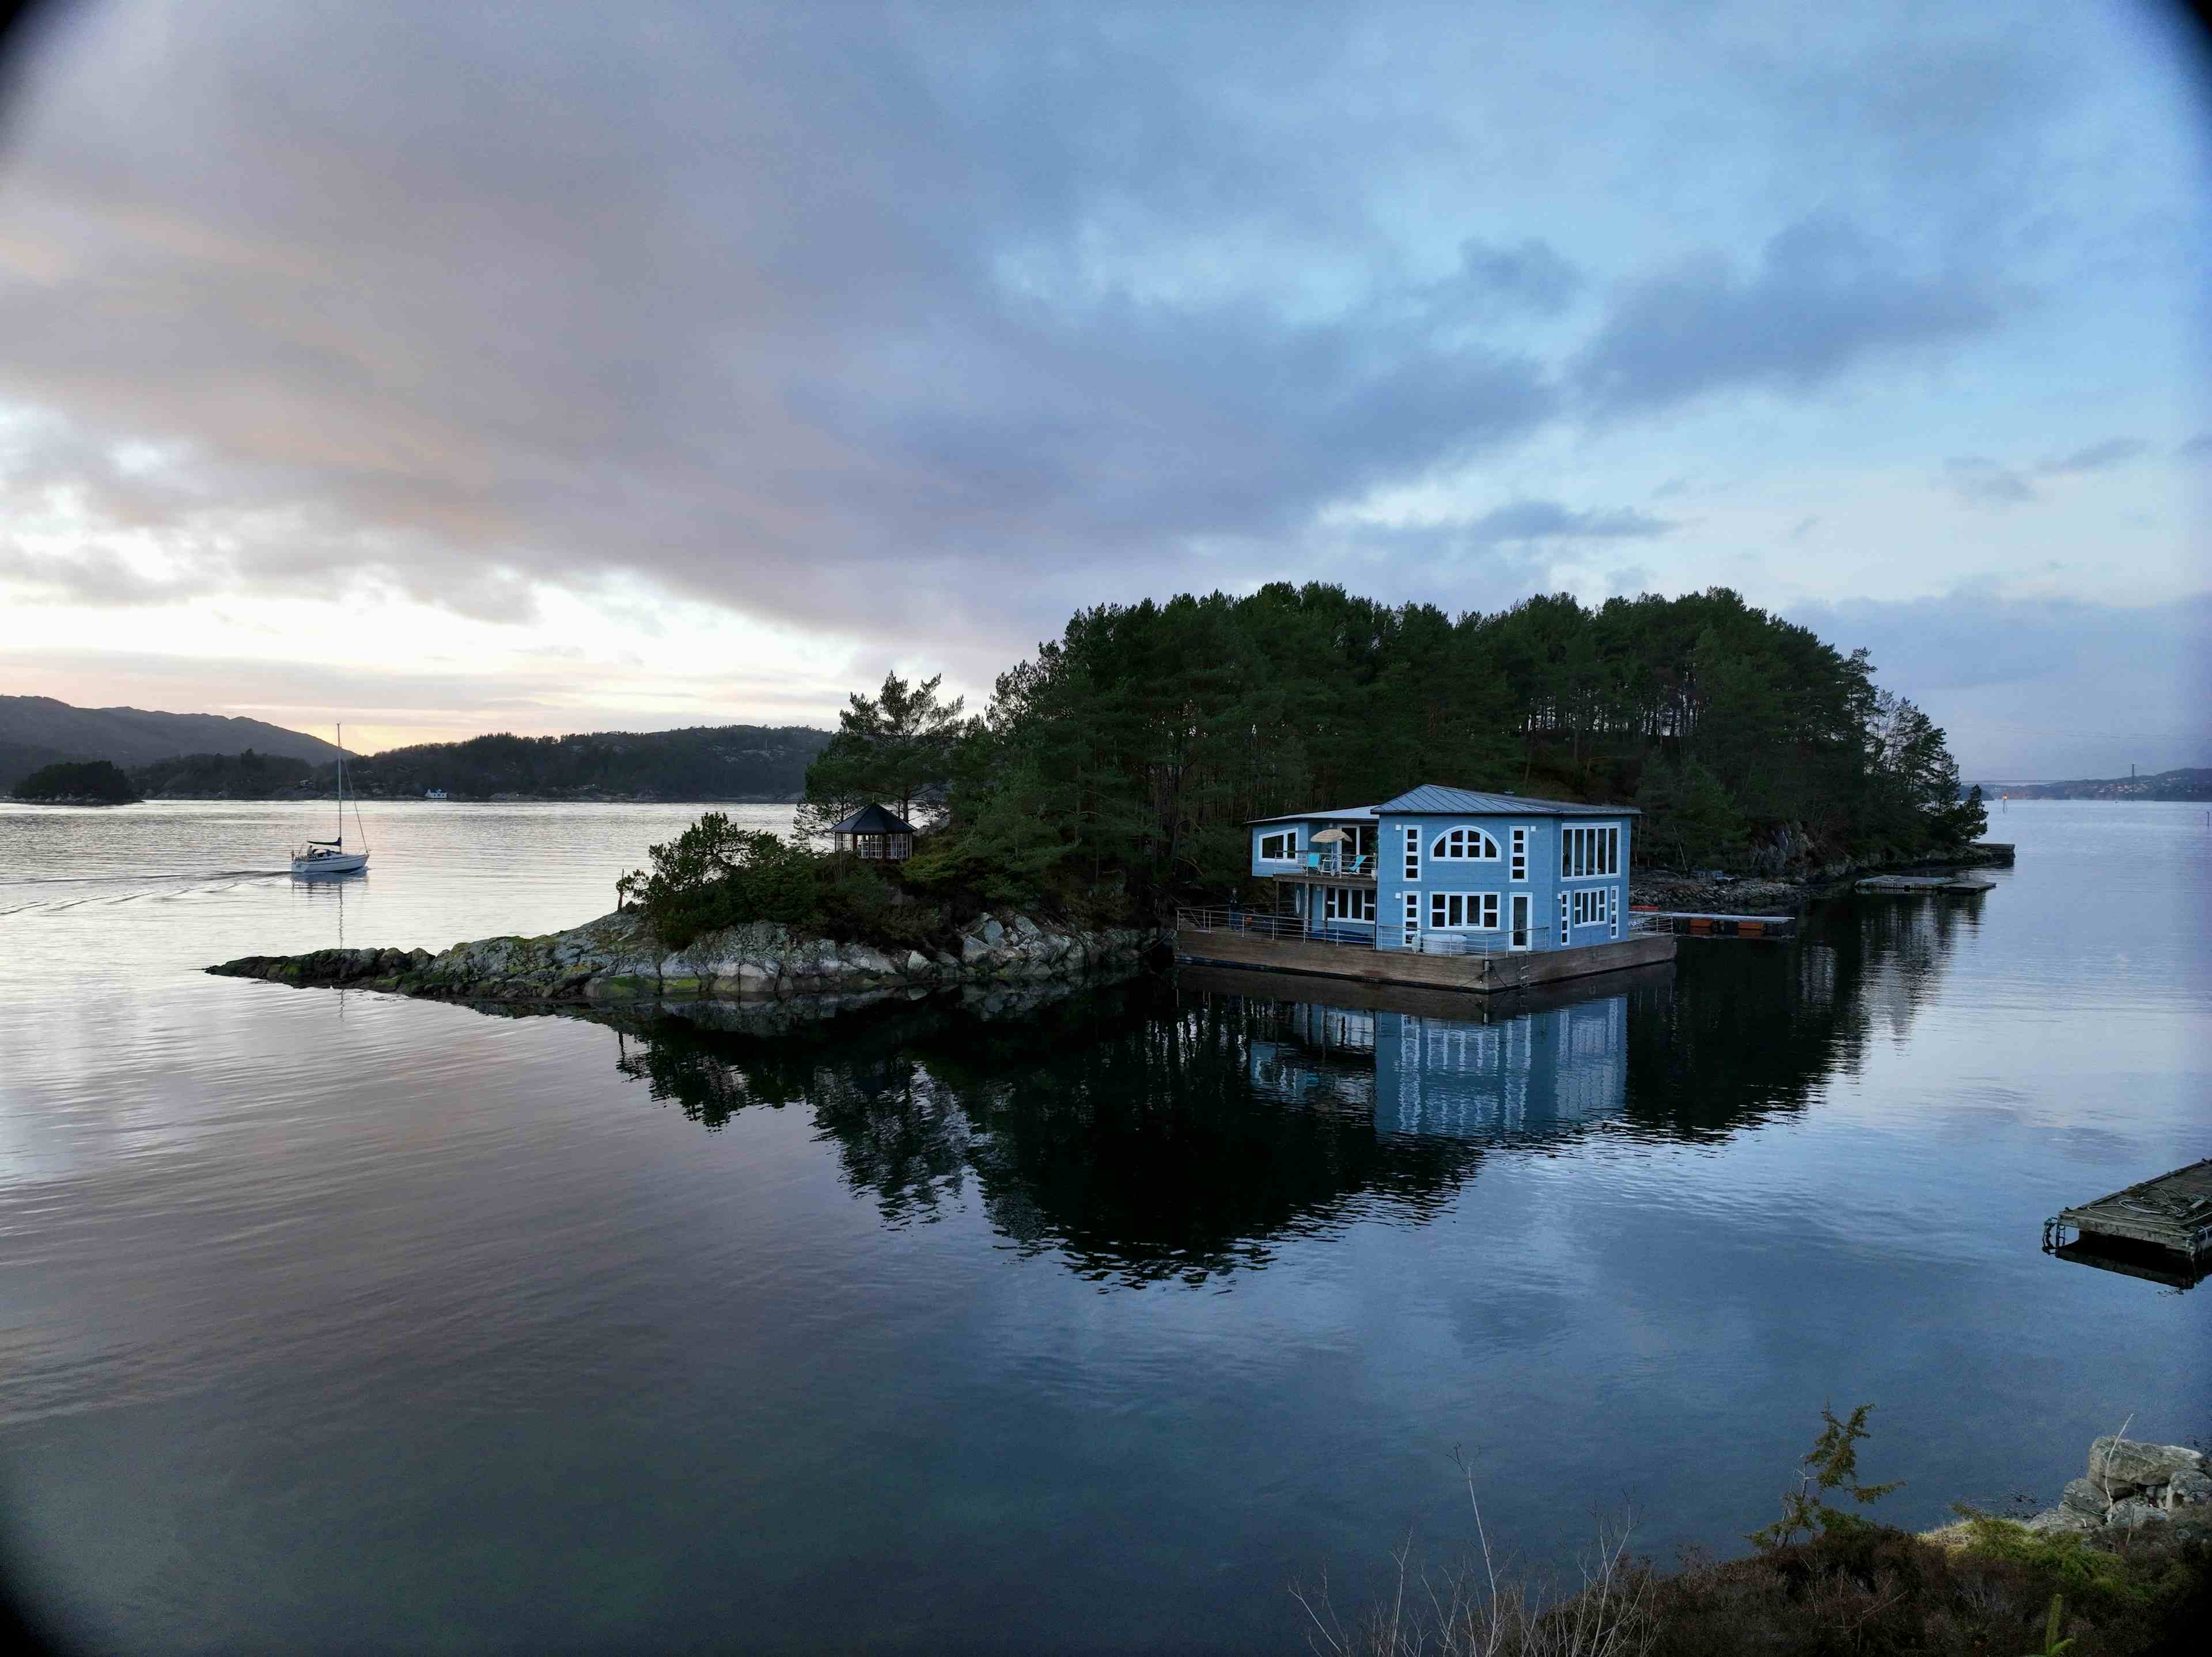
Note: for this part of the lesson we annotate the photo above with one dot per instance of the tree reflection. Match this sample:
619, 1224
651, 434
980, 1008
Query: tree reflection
1161, 1130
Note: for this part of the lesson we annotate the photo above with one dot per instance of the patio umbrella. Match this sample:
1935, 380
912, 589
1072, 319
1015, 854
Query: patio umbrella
1331, 837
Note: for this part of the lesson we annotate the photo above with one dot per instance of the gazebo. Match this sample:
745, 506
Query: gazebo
872, 832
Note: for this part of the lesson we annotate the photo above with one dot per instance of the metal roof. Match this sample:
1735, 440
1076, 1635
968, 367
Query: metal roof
1433, 800
1349, 814
872, 820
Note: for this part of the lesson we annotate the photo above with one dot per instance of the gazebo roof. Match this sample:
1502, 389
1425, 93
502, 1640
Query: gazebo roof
872, 820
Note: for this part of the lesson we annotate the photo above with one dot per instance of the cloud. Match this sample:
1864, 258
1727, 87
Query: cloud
2098, 457
1826, 298
2043, 688
2198, 448
1983, 481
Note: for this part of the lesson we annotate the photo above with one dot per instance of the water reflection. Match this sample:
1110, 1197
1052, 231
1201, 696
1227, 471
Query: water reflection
1180, 1127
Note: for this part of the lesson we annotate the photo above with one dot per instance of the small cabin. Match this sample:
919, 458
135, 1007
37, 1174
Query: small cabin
875, 833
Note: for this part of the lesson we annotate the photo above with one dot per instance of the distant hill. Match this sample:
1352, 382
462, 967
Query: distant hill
727, 763
249, 775
2187, 783
39, 730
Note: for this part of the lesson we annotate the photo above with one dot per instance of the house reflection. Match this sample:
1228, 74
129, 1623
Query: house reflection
1445, 1066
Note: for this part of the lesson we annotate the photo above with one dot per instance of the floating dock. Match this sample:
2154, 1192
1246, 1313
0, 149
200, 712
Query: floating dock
1684, 924
1205, 939
1923, 885
2161, 1229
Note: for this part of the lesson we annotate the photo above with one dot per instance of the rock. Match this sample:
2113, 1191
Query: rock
916, 964
2121, 1467
2188, 1488
2061, 1521
2129, 1514
2083, 1497
994, 934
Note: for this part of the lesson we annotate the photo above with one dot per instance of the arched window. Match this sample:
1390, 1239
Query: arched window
1466, 845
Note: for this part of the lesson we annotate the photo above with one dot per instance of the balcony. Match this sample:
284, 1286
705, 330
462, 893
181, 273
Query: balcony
1327, 865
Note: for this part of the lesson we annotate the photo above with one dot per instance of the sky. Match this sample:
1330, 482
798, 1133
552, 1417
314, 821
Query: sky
445, 367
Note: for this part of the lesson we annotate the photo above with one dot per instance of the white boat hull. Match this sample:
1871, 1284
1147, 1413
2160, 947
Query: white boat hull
333, 863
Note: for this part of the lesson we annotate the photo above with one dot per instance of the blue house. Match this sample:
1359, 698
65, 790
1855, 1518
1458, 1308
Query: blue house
1447, 871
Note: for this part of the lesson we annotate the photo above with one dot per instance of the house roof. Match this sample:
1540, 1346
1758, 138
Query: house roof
1349, 814
872, 820
1433, 800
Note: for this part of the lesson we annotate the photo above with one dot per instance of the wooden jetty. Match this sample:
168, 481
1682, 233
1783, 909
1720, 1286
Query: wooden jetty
1684, 924
1255, 986
1212, 938
2161, 1228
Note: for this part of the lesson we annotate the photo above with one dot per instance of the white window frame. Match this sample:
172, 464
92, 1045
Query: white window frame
1589, 851
1463, 845
1289, 837
1412, 920
1613, 907
1520, 854
1563, 919
1477, 912
1414, 851
1355, 903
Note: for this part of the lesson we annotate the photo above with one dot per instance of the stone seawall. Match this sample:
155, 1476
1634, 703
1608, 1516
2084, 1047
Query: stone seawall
615, 959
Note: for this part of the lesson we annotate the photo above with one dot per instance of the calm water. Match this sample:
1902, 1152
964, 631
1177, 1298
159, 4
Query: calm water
333, 1322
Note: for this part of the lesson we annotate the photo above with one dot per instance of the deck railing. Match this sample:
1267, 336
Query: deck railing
1333, 861
1295, 929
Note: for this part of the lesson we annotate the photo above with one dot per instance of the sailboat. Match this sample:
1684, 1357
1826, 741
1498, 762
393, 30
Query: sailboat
330, 856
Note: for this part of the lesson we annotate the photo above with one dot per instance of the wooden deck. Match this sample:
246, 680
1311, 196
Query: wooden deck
1456, 1004
2171, 1214
1923, 885
1480, 974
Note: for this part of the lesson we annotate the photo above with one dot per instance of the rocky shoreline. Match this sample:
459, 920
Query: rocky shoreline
2131, 1484
1690, 889
616, 959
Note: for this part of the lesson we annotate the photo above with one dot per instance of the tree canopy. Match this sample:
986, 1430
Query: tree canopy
1122, 760
893, 749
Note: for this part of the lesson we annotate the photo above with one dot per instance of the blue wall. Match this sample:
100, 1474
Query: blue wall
1543, 887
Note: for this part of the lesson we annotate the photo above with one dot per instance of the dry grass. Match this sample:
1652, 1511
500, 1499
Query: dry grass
1861, 1590
1470, 1609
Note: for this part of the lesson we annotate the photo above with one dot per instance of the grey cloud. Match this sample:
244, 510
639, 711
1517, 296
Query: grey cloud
2046, 687
906, 322
1530, 520
1805, 527
1983, 481
2098, 457
2198, 448
1826, 297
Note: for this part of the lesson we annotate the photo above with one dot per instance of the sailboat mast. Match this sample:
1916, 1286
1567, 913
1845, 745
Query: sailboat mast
341, 733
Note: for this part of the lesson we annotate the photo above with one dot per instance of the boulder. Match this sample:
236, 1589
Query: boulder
2121, 1467
994, 933
2133, 1513
2189, 1488
2084, 1497
2061, 1521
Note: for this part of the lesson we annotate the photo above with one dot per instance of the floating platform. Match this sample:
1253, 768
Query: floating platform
1685, 924
1201, 944
1922, 886
2161, 1229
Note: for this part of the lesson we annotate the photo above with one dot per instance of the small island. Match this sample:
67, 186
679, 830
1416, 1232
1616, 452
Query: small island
79, 782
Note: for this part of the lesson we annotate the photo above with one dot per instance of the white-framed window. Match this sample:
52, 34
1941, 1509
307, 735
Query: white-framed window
1589, 905
1348, 903
1413, 913
1520, 854
1563, 917
1587, 853
1413, 852
1612, 908
1279, 847
1463, 912
1465, 846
